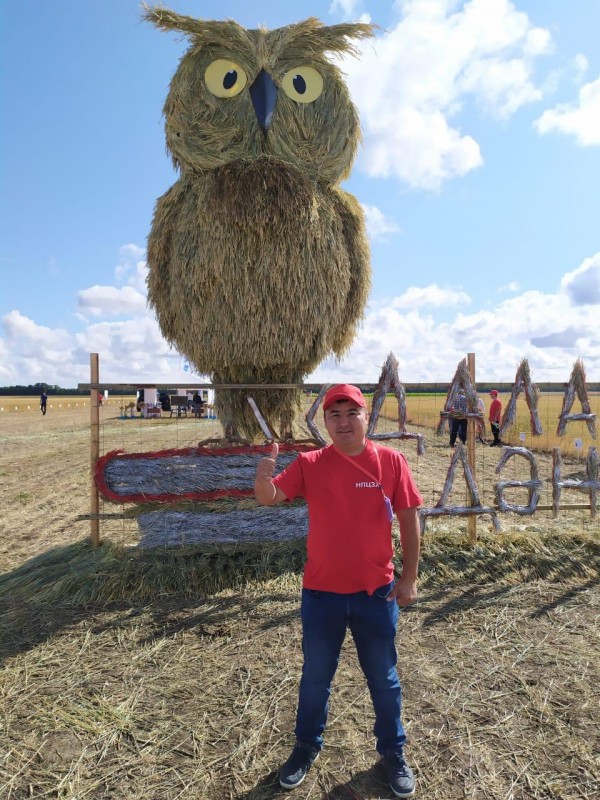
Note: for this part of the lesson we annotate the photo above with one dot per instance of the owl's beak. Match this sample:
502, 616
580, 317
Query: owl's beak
264, 96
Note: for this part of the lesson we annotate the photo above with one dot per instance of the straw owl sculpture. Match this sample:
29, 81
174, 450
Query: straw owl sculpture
258, 261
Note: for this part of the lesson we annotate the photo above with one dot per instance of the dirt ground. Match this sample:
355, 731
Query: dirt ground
195, 696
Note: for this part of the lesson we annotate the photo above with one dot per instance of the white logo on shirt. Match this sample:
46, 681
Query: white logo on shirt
366, 485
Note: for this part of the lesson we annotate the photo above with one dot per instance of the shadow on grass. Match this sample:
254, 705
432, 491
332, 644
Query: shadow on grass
25, 625
472, 597
489, 570
567, 596
176, 588
366, 783
80, 574
369, 782
267, 788
211, 618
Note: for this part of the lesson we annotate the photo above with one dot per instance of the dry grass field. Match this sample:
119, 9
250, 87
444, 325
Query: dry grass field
424, 410
164, 675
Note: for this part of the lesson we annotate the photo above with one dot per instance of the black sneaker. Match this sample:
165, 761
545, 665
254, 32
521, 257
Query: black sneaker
293, 772
399, 774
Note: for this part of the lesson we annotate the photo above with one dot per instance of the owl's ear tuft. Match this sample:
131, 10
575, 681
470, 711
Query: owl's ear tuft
202, 32
339, 38
314, 37
170, 21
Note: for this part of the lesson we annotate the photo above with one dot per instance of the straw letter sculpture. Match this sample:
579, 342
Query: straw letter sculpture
259, 265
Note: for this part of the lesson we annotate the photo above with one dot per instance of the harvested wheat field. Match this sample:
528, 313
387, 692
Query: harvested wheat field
155, 675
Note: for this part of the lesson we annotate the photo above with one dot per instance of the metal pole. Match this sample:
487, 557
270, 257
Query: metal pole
95, 450
471, 432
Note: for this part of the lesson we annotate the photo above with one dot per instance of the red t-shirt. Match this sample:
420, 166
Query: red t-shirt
349, 544
495, 410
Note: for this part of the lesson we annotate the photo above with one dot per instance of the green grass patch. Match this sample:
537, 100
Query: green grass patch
24, 498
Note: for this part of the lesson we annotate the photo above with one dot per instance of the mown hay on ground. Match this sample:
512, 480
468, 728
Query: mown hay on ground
174, 674
195, 697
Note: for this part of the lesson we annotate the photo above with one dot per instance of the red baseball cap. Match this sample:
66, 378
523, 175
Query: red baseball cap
494, 391
343, 391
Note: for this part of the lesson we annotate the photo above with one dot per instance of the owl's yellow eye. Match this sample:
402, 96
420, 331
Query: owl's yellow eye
225, 78
302, 84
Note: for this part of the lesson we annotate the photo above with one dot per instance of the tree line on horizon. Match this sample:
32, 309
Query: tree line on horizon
35, 390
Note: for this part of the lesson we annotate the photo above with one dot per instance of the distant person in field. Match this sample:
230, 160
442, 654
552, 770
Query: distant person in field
458, 426
43, 402
495, 418
198, 404
353, 489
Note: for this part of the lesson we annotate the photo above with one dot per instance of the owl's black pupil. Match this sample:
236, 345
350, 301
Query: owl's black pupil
299, 84
230, 79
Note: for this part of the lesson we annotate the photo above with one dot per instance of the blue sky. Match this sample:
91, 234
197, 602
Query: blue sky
479, 174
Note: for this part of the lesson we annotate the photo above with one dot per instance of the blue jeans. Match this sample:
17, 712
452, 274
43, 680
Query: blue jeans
372, 622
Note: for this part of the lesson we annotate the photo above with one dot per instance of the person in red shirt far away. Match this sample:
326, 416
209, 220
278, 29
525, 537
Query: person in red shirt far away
352, 488
495, 418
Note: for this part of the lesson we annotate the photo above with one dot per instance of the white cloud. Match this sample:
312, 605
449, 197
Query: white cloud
411, 82
581, 121
132, 269
550, 329
501, 86
580, 65
583, 284
32, 352
36, 339
347, 8
127, 297
132, 252
513, 286
110, 301
134, 346
544, 328
418, 326
378, 224
132, 350
433, 296
566, 339
418, 147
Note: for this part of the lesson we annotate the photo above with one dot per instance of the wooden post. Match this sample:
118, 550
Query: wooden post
471, 433
95, 449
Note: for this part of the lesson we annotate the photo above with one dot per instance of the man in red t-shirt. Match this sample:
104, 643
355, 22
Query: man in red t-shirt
352, 488
495, 418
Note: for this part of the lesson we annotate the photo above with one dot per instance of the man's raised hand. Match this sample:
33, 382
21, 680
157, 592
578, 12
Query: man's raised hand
265, 490
266, 465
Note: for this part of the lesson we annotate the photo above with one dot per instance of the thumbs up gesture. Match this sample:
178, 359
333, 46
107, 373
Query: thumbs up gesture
265, 490
266, 466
